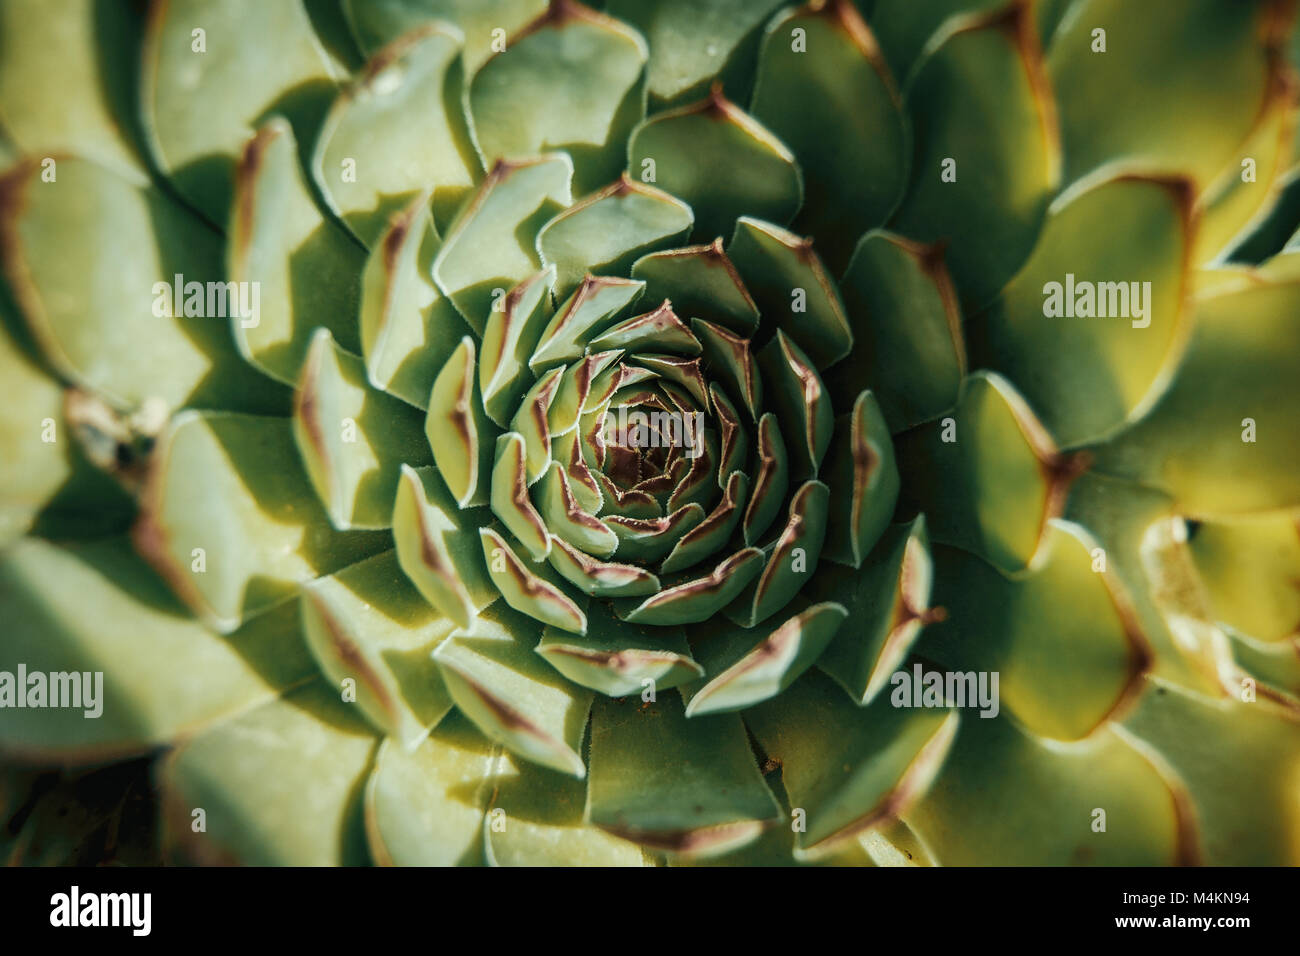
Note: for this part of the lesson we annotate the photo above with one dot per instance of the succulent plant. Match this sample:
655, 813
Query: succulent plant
502, 431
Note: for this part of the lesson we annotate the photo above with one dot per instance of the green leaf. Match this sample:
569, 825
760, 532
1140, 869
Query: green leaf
530, 588
849, 770
371, 160
92, 244
509, 498
278, 786
567, 520
603, 579
988, 477
701, 282
689, 788
908, 345
649, 539
67, 82
709, 535
888, 599
572, 81
1008, 795
1088, 350
376, 22
684, 150
536, 819
995, 624
511, 694
793, 292
693, 43
353, 439
203, 94
660, 329
367, 624
408, 328
509, 340
1220, 437
459, 432
1251, 567
592, 308
771, 482
697, 599
802, 406
791, 560
807, 84
743, 672
489, 246
437, 547
532, 423
230, 521
1153, 64
730, 359
304, 268
617, 659
863, 478
97, 608
604, 233
425, 808
904, 27
981, 101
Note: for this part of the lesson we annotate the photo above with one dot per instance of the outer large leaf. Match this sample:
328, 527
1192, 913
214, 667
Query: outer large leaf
95, 607
485, 22
687, 787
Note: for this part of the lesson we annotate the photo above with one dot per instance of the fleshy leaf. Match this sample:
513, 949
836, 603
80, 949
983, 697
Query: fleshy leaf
280, 785
377, 22
489, 246
202, 94
904, 27
987, 153
437, 547
686, 787
511, 694
661, 330
82, 608
532, 423
426, 808
353, 439
697, 599
566, 519
584, 315
888, 600
459, 432
853, 172
1088, 350
93, 244
1004, 793
604, 579
1251, 568
571, 80
709, 535
701, 282
863, 478
368, 624
510, 501
683, 151
370, 159
802, 406
770, 483
850, 770
509, 339
691, 44
528, 588
617, 659
730, 359
649, 539
606, 232
792, 290
230, 521
743, 672
304, 268
1220, 438
408, 328
908, 345
992, 627
991, 443
792, 559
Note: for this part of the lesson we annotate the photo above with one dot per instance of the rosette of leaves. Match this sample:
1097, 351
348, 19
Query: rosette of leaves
316, 316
